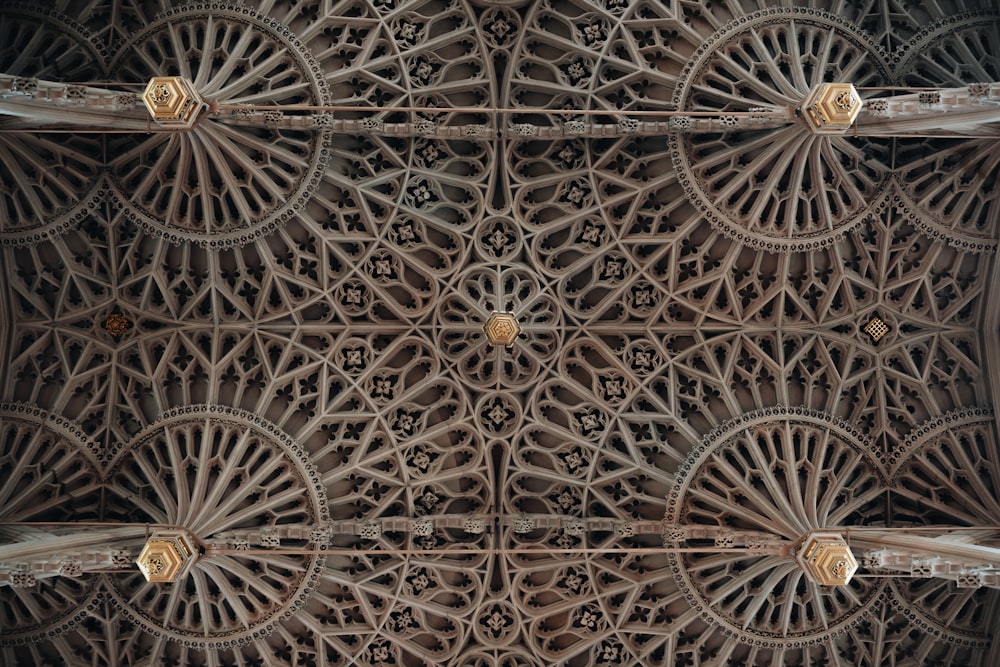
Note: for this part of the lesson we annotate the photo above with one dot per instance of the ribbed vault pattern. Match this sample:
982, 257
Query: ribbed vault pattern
305, 365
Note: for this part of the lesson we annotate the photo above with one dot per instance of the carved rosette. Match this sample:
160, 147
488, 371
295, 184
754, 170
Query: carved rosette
500, 327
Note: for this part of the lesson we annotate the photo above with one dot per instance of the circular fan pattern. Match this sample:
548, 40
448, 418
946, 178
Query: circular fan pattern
782, 473
36, 449
947, 472
47, 181
219, 184
215, 471
803, 191
950, 187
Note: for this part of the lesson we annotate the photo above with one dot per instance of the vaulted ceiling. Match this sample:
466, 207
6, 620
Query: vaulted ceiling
304, 382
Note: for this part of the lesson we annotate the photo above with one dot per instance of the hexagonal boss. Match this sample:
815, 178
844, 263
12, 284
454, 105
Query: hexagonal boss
172, 101
502, 328
831, 108
826, 559
166, 555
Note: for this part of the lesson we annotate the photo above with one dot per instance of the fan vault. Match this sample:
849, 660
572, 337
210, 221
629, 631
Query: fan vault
486, 364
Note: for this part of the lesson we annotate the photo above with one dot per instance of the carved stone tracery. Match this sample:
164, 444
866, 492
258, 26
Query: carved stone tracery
244, 183
787, 473
780, 203
328, 281
230, 470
